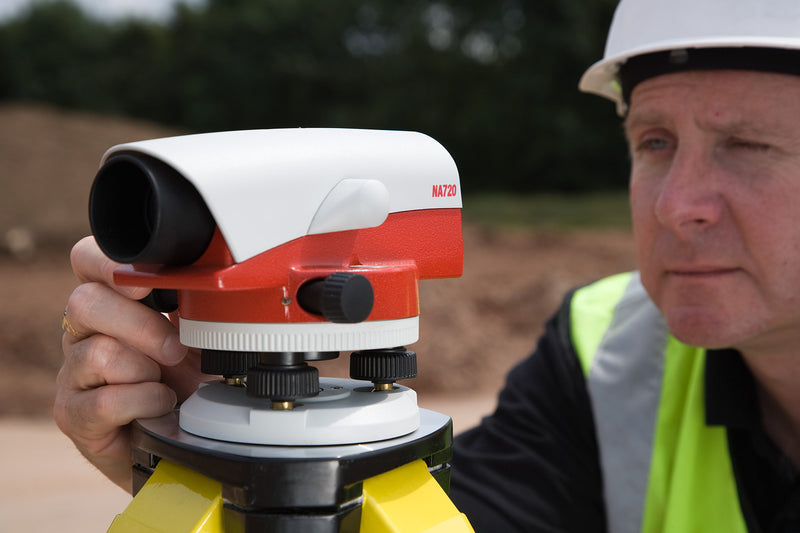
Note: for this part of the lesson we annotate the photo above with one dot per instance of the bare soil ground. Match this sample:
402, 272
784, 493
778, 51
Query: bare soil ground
473, 328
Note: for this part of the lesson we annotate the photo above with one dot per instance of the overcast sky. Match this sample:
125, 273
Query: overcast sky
107, 9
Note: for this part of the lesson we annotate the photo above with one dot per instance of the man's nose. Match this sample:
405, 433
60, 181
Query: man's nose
689, 197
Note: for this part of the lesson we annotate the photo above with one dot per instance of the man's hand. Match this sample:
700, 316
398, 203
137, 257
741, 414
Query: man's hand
122, 361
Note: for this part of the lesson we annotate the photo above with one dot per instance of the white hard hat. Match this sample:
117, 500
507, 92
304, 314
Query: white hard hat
678, 28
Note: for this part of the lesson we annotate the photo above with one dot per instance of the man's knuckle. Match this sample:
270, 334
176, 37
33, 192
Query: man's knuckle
100, 353
62, 379
103, 410
60, 412
82, 300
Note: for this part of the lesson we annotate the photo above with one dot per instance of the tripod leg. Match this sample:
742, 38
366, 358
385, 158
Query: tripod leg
174, 499
404, 500
409, 500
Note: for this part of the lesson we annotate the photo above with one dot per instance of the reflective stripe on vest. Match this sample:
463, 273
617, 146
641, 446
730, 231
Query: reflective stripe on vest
663, 469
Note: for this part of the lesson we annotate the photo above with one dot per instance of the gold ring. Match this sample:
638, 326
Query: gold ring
66, 326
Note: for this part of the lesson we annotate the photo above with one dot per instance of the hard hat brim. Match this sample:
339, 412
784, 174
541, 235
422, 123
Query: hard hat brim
602, 77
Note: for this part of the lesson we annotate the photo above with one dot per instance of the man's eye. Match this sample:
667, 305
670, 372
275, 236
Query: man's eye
748, 145
653, 145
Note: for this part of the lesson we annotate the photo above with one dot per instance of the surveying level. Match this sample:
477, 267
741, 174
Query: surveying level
278, 248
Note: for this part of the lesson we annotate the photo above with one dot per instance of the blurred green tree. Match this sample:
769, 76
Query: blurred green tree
495, 82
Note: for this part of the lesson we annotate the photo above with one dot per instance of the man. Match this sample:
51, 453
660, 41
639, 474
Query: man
665, 400
617, 419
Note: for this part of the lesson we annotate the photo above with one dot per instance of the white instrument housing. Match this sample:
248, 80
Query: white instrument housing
346, 179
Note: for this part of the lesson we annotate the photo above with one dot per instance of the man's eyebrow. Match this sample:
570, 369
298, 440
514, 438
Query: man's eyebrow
743, 127
642, 118
733, 127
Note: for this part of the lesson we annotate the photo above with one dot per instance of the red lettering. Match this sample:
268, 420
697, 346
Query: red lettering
440, 191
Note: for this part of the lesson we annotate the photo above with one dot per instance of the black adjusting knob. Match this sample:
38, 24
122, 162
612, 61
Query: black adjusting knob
342, 297
227, 363
383, 366
162, 300
282, 383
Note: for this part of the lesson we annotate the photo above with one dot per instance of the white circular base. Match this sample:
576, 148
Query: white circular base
299, 336
346, 411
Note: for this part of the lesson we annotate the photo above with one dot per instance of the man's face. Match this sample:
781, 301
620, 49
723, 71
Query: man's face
715, 199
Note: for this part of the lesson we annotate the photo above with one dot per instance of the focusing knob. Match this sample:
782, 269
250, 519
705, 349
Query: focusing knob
162, 300
383, 366
342, 297
282, 383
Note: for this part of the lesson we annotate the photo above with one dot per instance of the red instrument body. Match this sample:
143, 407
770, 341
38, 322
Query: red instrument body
407, 247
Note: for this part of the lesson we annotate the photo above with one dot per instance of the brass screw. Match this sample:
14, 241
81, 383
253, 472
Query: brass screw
283, 406
381, 387
236, 381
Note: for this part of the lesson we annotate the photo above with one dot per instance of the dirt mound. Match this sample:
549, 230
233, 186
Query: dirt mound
48, 159
472, 328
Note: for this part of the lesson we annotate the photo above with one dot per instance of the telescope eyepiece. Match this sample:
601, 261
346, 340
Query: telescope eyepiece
141, 210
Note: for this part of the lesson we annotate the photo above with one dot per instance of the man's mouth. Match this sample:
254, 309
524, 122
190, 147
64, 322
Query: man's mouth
701, 272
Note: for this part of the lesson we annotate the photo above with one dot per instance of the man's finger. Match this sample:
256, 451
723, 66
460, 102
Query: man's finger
90, 264
96, 308
101, 360
96, 413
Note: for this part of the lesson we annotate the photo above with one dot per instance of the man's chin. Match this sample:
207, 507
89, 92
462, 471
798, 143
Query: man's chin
702, 330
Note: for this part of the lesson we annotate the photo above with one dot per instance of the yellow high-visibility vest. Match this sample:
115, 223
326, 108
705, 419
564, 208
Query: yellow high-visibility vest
664, 469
